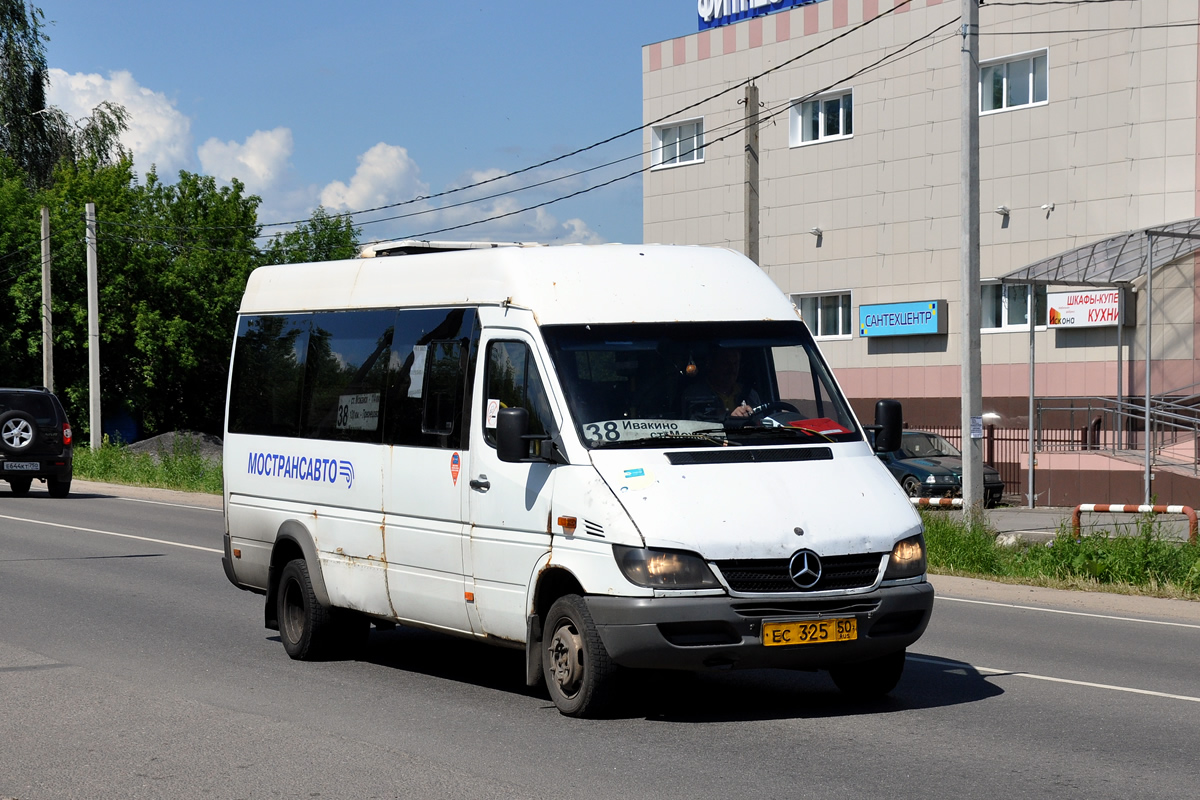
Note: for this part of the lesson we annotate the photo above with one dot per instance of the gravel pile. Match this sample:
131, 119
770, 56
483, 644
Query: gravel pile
206, 444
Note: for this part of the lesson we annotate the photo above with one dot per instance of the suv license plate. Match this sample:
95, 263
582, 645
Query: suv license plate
22, 466
820, 631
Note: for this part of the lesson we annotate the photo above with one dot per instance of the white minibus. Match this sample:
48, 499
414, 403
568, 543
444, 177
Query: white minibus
614, 457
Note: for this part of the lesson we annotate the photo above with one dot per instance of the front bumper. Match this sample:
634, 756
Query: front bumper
698, 633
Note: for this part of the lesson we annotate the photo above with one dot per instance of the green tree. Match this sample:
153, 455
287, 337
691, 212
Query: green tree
195, 251
324, 237
34, 135
172, 263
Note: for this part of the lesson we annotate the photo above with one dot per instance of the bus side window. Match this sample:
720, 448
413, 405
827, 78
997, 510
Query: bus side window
428, 383
269, 362
513, 379
348, 356
445, 366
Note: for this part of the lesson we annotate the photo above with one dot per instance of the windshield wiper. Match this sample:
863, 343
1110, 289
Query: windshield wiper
784, 429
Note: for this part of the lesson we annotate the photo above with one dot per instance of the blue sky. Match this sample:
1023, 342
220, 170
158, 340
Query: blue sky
361, 104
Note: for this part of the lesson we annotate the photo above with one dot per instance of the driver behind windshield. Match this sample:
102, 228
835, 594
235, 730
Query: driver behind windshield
717, 393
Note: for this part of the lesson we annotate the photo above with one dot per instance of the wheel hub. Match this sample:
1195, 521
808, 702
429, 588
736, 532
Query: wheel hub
566, 658
17, 433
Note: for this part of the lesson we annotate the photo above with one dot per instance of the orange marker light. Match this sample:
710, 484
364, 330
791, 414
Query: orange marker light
237, 552
470, 596
567, 524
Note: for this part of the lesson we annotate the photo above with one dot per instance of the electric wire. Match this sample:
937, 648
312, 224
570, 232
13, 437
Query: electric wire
781, 109
594, 145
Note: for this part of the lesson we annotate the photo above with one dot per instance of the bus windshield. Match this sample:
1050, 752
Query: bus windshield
688, 384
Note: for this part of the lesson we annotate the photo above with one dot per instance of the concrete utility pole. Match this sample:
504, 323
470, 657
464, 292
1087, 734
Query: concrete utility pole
93, 291
972, 369
47, 321
750, 204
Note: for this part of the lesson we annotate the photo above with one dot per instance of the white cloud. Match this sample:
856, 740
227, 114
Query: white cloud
385, 175
159, 134
261, 162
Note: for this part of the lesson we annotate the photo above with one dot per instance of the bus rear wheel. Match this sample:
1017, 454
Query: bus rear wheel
304, 624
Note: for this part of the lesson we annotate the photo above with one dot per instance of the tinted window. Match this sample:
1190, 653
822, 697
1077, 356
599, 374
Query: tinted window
348, 357
429, 375
268, 375
38, 406
513, 380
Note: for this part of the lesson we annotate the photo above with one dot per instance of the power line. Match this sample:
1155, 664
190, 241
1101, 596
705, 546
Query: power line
614, 137
779, 110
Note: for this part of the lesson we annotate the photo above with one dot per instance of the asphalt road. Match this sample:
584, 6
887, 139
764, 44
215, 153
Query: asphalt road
130, 667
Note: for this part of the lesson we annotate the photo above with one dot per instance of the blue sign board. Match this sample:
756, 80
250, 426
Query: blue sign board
714, 13
922, 317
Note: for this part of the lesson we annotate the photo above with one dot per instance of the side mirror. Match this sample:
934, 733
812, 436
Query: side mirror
512, 426
889, 419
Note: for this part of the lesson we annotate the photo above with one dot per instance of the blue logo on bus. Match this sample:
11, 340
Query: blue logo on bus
301, 468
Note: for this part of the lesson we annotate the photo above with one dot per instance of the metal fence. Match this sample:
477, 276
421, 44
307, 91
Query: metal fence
1003, 448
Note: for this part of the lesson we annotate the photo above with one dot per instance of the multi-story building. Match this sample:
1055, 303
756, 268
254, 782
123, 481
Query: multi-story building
850, 200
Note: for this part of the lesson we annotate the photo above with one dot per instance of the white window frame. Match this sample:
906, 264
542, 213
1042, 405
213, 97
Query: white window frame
664, 135
797, 118
845, 313
1007, 289
1031, 88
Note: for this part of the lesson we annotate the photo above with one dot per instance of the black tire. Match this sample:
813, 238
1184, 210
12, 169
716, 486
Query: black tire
304, 624
911, 486
18, 432
579, 673
58, 488
867, 680
20, 486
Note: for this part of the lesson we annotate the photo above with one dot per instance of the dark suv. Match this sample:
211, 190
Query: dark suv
35, 441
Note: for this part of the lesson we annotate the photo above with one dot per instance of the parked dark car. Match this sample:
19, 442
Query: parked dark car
35, 441
926, 465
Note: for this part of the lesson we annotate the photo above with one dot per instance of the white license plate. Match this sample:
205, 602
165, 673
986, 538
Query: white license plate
22, 466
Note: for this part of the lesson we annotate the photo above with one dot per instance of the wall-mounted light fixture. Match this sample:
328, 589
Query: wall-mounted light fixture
1047, 206
1002, 210
817, 232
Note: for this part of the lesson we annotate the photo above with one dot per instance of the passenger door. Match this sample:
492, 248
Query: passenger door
424, 511
510, 504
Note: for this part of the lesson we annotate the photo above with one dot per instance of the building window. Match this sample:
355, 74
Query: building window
1005, 307
827, 315
679, 144
828, 117
1012, 83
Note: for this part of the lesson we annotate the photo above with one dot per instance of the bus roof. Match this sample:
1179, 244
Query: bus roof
561, 284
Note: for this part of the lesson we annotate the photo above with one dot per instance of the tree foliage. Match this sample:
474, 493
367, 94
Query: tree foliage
321, 238
35, 136
173, 258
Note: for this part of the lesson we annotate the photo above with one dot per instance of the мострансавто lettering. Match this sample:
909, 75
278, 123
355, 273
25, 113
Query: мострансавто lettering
301, 468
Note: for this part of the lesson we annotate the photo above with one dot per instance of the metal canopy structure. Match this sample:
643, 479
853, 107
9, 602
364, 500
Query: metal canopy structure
1115, 261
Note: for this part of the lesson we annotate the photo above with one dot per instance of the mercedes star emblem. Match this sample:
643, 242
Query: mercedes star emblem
805, 569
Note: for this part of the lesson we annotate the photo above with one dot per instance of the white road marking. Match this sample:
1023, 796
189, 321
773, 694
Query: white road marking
1018, 674
162, 503
1071, 613
112, 533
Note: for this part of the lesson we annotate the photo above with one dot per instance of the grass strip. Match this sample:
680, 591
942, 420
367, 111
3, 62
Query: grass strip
180, 467
1134, 559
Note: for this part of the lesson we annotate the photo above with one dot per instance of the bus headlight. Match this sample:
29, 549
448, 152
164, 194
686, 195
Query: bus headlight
664, 569
907, 559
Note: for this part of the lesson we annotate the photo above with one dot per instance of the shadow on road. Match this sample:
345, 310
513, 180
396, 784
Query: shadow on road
682, 697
